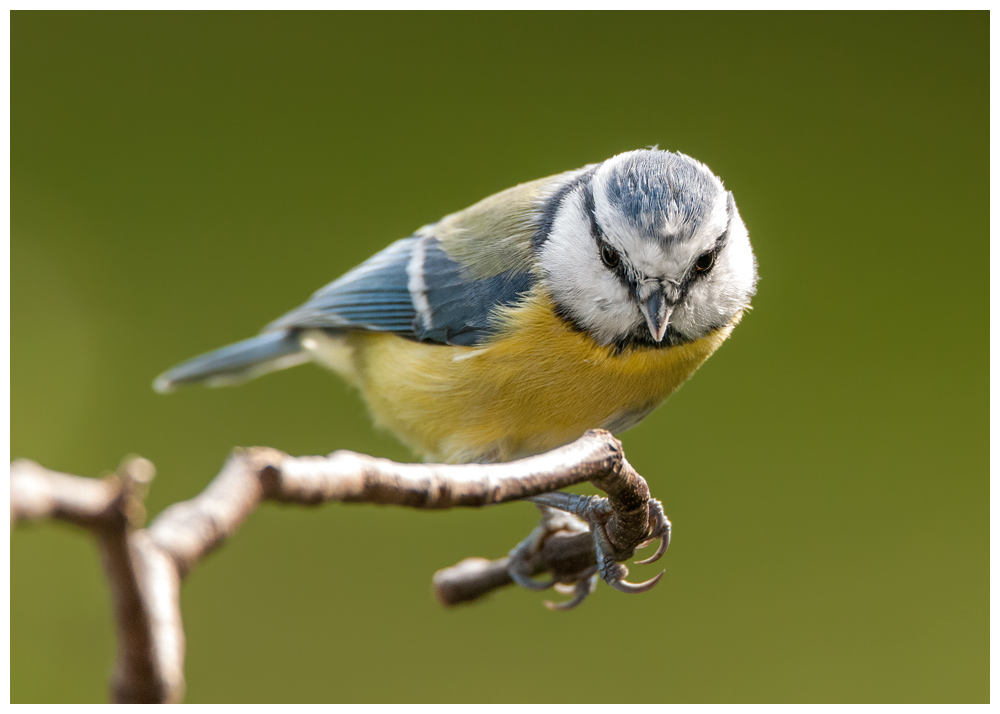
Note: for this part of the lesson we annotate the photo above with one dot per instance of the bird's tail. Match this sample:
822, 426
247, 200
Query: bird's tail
236, 363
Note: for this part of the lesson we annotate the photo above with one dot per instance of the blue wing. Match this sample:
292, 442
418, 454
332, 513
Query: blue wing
413, 289
374, 296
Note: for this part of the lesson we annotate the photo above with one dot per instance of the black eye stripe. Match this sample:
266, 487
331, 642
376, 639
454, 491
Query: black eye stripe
588, 205
552, 208
625, 273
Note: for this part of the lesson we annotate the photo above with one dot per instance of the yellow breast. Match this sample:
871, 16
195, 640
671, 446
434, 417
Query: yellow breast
539, 385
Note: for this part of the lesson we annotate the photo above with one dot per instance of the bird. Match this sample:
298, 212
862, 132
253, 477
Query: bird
577, 301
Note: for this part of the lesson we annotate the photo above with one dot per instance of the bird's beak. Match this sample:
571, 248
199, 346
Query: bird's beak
657, 312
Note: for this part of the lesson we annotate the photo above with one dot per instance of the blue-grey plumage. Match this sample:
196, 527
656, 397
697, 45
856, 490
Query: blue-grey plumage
637, 268
651, 189
382, 295
373, 296
237, 362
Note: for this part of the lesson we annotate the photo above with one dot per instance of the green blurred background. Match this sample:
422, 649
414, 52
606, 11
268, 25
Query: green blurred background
179, 180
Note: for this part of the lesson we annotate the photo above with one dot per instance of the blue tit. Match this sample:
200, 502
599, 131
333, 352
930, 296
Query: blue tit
578, 301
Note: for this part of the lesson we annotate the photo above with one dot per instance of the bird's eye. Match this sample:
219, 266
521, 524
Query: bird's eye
705, 262
610, 256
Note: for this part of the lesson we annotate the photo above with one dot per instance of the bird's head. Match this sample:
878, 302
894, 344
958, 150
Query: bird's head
648, 248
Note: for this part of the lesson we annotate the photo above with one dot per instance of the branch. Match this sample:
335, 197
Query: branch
145, 566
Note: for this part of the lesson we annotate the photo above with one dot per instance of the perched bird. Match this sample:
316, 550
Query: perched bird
578, 301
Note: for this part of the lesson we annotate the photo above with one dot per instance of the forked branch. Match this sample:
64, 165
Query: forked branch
145, 566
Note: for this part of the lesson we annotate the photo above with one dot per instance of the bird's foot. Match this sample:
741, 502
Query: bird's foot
570, 514
524, 557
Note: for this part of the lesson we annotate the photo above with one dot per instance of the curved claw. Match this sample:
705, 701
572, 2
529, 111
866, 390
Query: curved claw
526, 581
624, 586
655, 556
583, 588
567, 604
660, 531
660, 549
565, 588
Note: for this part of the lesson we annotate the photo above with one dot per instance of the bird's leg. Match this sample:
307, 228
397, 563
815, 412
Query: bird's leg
578, 536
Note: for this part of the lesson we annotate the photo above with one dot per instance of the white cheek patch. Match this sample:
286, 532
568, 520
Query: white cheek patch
724, 292
578, 280
714, 226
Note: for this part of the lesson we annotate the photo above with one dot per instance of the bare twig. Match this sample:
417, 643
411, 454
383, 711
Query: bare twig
145, 566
